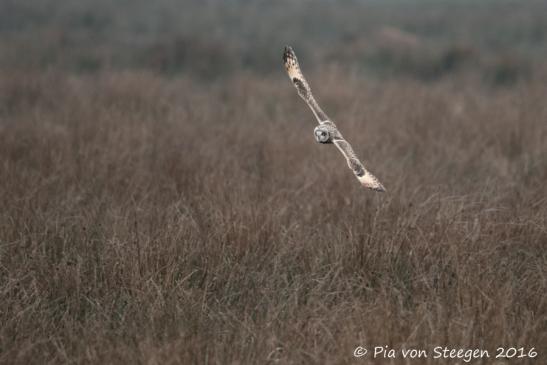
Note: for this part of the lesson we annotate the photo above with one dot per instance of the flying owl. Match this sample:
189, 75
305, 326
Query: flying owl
327, 132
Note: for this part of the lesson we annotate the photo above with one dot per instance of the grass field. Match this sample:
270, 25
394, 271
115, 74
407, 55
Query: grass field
157, 216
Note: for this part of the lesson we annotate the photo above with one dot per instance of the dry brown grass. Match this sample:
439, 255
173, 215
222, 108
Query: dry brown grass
148, 220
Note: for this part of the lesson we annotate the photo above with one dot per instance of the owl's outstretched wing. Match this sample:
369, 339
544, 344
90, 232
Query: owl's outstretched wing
302, 86
295, 74
365, 177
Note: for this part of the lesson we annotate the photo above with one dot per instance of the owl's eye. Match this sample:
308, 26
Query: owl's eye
323, 134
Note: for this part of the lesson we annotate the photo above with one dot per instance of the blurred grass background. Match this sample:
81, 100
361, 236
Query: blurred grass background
501, 40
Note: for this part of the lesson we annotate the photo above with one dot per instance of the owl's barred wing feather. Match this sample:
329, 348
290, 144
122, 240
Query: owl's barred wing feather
302, 86
365, 177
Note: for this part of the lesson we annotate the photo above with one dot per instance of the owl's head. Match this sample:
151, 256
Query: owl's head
322, 135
